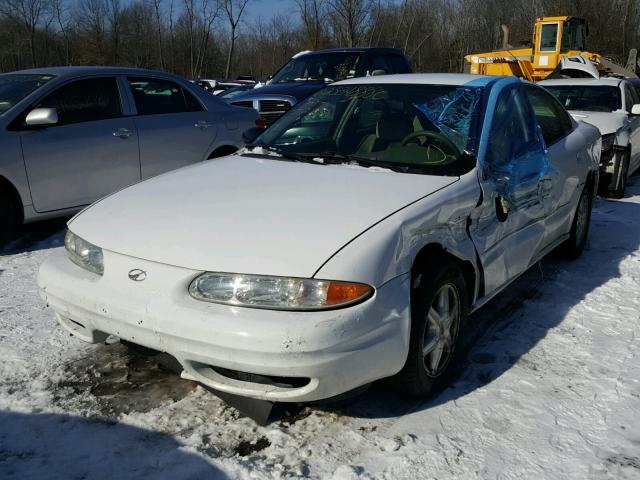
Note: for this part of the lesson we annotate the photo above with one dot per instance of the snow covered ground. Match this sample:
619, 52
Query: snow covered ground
550, 389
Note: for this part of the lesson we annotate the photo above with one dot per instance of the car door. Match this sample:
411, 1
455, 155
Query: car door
507, 227
91, 152
568, 160
631, 99
174, 129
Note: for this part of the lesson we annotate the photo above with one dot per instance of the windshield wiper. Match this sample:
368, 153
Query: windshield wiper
284, 153
337, 158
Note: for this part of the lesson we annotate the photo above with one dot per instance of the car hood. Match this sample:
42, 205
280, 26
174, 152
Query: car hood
607, 122
249, 215
298, 90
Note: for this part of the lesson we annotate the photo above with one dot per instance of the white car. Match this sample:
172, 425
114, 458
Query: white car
347, 244
612, 105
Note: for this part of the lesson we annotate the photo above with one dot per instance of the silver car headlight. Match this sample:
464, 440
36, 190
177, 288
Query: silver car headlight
277, 293
83, 253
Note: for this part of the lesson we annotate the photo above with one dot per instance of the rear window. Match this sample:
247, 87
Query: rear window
590, 98
157, 96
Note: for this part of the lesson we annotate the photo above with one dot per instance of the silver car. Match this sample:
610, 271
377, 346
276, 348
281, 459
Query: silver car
71, 135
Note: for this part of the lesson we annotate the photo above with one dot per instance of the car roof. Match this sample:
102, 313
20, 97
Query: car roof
78, 71
420, 78
354, 49
610, 81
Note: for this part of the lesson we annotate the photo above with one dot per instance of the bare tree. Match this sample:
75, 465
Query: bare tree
30, 15
311, 14
234, 9
349, 18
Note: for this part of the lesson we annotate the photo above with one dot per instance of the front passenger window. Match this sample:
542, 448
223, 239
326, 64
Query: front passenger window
85, 101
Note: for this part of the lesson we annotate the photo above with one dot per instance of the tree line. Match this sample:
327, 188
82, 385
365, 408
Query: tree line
216, 39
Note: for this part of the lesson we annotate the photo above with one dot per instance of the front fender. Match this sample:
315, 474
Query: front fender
389, 248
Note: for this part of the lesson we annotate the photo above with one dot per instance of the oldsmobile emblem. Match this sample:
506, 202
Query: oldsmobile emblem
137, 275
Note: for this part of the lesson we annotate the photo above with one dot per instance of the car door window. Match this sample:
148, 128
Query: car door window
630, 98
380, 63
512, 130
156, 96
553, 119
85, 101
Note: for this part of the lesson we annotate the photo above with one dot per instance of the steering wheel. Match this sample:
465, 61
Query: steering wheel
441, 142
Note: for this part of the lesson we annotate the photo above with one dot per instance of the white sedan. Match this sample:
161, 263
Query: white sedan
348, 243
612, 105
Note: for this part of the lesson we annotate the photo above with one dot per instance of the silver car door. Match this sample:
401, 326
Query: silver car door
91, 151
507, 227
567, 160
631, 98
174, 128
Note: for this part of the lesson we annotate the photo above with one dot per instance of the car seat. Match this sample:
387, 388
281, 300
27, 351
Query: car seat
391, 128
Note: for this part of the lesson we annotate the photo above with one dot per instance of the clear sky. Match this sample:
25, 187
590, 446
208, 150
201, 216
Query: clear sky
269, 8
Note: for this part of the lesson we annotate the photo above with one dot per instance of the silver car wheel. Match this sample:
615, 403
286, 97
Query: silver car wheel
441, 331
582, 219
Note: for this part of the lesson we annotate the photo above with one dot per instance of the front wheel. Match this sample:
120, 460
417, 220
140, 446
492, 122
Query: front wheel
574, 245
621, 180
7, 217
439, 310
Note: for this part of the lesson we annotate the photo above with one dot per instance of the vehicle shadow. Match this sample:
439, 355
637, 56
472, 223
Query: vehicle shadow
36, 236
508, 327
36, 445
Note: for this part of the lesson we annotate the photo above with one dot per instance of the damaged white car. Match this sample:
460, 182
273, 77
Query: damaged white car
348, 243
612, 105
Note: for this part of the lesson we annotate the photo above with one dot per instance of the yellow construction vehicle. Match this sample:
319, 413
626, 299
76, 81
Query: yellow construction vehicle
559, 43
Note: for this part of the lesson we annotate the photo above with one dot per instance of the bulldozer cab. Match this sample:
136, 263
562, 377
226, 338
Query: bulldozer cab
554, 36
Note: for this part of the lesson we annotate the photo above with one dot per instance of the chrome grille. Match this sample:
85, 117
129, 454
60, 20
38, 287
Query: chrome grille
280, 106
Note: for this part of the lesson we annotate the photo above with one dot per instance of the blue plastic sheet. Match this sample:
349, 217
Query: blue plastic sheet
453, 114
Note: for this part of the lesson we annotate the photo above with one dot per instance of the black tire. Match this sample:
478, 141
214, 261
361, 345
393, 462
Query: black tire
621, 181
574, 246
419, 378
7, 217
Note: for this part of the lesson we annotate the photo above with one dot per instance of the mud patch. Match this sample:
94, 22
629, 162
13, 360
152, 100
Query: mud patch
117, 380
246, 447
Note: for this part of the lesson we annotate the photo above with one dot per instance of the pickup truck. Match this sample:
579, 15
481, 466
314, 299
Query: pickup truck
309, 71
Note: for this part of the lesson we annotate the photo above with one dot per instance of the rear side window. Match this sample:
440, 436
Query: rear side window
85, 101
155, 97
380, 63
554, 120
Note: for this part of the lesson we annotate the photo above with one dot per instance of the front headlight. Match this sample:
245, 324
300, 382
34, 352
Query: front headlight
277, 293
83, 253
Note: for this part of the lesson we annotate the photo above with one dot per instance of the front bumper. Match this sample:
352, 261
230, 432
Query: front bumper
325, 353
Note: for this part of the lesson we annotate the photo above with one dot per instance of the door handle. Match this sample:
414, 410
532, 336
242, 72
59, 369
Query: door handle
122, 133
203, 124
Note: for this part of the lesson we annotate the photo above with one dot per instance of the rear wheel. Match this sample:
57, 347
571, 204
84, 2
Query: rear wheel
439, 309
7, 216
623, 173
574, 245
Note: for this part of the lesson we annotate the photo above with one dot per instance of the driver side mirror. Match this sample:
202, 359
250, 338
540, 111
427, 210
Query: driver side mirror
375, 73
40, 117
635, 110
249, 136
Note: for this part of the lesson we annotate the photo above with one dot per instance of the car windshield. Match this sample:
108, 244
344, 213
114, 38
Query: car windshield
326, 67
590, 98
14, 87
424, 129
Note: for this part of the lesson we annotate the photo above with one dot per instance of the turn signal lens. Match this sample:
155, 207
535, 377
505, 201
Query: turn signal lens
343, 292
277, 293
